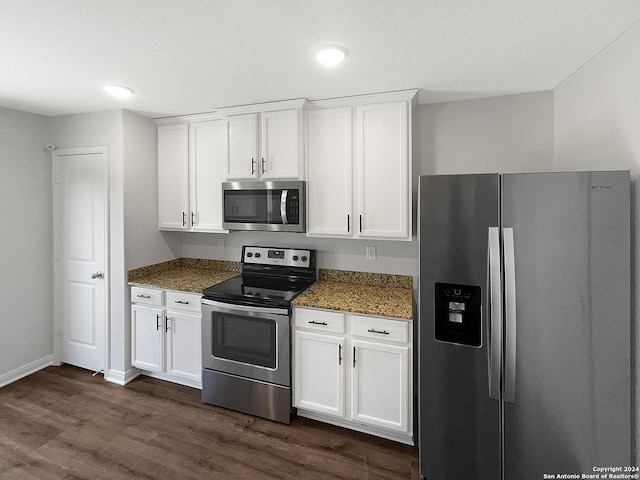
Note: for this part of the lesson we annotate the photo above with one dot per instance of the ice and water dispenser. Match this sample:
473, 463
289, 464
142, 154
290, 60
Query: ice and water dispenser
458, 315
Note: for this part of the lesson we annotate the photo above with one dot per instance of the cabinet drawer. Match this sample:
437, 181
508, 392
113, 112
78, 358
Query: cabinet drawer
319, 320
189, 302
146, 296
381, 329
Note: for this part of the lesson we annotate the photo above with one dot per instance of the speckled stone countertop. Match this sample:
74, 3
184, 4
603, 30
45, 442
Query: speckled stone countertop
360, 292
184, 274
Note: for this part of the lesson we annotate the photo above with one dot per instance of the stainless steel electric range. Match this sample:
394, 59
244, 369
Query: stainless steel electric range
246, 332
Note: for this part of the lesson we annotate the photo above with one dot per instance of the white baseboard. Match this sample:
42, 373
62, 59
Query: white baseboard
28, 369
121, 378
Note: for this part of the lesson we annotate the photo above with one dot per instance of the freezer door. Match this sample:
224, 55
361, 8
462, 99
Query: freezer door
459, 422
569, 408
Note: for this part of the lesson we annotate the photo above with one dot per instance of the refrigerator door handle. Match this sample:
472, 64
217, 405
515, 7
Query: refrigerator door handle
510, 316
494, 297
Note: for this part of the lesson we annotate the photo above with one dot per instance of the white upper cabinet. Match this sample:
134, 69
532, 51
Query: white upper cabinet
263, 141
383, 171
173, 177
329, 159
205, 158
359, 164
241, 152
190, 175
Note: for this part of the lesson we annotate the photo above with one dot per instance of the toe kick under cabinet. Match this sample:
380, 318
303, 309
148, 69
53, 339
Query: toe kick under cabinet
354, 371
165, 335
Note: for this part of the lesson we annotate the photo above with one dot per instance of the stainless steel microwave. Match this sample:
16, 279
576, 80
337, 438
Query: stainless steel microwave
277, 206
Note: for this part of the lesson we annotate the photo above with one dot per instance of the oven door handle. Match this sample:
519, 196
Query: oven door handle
243, 309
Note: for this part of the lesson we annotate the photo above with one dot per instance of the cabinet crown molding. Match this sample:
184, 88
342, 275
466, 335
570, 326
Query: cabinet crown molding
184, 119
263, 107
356, 100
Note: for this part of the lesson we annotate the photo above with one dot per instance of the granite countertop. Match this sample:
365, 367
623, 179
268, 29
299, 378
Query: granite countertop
184, 274
360, 292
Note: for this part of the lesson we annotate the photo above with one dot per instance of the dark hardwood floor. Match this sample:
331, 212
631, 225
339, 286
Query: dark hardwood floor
63, 423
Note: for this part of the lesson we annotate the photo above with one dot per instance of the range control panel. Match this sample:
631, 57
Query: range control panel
285, 257
458, 315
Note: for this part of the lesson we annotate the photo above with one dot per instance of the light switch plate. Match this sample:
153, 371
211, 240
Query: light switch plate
371, 252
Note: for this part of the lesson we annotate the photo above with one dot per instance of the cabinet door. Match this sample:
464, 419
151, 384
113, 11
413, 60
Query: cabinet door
205, 160
183, 345
380, 385
173, 177
319, 362
280, 144
241, 146
330, 155
147, 338
383, 171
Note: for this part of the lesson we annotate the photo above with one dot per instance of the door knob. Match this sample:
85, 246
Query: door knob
97, 275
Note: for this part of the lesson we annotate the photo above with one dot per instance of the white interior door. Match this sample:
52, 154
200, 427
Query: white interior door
81, 253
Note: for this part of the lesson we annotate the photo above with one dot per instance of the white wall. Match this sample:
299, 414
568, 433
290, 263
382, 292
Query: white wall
26, 267
597, 127
505, 134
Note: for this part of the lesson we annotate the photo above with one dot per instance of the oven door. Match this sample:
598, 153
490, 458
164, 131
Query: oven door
249, 341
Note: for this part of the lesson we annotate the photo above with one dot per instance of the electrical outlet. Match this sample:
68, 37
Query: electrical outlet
221, 243
371, 252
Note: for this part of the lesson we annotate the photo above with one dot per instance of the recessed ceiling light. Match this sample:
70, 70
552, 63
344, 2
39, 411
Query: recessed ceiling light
330, 55
119, 91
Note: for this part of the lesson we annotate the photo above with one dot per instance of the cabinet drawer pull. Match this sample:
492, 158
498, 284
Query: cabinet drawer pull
339, 354
157, 322
313, 322
181, 301
140, 295
383, 332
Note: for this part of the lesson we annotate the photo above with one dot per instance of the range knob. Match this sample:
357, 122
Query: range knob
257, 255
249, 254
295, 258
304, 259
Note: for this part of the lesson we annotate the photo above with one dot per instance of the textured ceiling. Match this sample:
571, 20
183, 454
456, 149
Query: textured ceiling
190, 56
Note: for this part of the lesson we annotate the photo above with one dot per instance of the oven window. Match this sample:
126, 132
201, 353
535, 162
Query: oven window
245, 339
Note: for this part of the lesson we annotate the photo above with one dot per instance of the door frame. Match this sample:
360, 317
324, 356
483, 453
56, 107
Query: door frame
57, 271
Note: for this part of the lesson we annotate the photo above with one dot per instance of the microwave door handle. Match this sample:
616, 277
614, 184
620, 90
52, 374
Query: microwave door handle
283, 206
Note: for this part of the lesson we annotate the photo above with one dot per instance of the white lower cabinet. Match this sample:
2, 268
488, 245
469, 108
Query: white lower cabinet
165, 335
319, 372
354, 371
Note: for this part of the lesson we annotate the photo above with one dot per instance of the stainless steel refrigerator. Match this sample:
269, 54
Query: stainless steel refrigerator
524, 328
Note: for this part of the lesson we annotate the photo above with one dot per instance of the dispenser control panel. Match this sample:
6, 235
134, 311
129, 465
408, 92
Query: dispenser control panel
458, 314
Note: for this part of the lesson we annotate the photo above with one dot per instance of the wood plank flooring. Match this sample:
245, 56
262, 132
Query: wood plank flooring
63, 423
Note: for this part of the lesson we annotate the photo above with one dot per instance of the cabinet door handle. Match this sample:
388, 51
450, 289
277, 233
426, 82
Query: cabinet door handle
313, 322
166, 325
263, 165
348, 223
253, 166
354, 357
181, 301
184, 219
140, 295
360, 223
157, 322
339, 354
193, 218
383, 332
